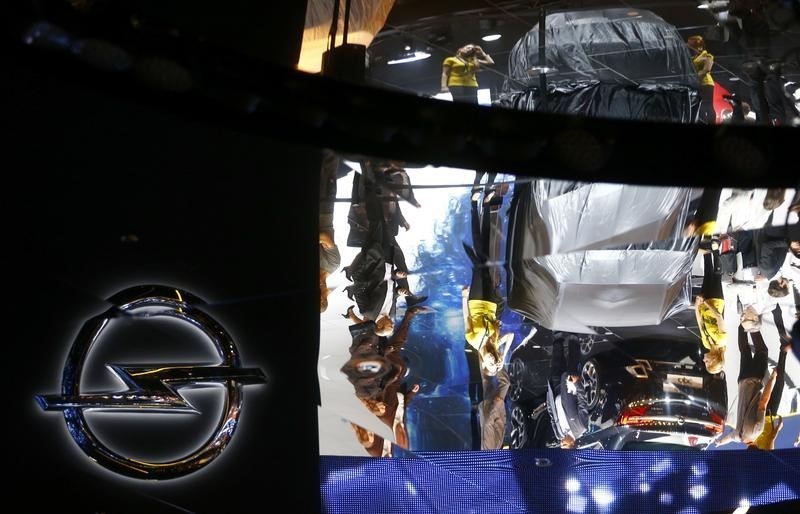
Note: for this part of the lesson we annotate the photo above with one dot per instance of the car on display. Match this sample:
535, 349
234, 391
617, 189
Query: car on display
643, 392
613, 63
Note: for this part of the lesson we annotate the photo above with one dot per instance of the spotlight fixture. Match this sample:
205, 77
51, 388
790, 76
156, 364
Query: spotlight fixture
713, 5
410, 57
488, 27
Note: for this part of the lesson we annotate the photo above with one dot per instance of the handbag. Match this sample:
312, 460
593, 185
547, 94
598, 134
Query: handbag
727, 244
727, 254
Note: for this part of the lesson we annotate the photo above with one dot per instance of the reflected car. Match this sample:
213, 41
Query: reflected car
642, 393
613, 63
575, 260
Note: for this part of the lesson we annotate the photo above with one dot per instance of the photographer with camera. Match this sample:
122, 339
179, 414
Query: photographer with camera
458, 73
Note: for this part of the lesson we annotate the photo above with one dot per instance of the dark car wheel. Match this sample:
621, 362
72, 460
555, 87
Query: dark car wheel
590, 375
516, 439
516, 375
519, 427
586, 345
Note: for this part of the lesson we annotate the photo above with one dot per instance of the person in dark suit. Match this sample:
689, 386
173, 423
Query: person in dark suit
379, 271
566, 395
764, 249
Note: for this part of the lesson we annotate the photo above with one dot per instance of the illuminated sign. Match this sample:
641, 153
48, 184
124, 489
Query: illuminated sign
153, 388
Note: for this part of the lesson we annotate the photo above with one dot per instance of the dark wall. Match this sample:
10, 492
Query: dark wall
230, 217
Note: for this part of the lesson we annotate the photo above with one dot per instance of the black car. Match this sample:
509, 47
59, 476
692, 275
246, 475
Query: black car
643, 392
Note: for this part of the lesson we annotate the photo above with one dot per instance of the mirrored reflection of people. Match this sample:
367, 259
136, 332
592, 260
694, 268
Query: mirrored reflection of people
773, 422
703, 222
768, 92
459, 73
754, 394
379, 271
764, 252
377, 371
492, 409
709, 307
329, 257
482, 303
753, 28
748, 209
703, 61
482, 330
566, 396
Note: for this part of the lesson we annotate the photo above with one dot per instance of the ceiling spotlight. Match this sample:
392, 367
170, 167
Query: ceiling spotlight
492, 37
410, 57
713, 5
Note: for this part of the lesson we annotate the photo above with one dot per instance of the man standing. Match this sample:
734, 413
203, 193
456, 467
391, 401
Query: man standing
566, 397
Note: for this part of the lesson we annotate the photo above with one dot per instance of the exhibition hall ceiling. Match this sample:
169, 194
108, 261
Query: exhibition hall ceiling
441, 27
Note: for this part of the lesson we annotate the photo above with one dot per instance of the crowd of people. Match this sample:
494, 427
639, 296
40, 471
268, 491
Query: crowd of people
750, 257
379, 276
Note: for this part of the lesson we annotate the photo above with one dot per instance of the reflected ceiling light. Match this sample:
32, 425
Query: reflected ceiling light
572, 485
413, 56
603, 497
698, 491
713, 5
576, 504
744, 506
491, 37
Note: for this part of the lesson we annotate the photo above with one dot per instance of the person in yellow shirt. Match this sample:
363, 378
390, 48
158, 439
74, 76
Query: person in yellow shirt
709, 306
482, 332
703, 61
458, 73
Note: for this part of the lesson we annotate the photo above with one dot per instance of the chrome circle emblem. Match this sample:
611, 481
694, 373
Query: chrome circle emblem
151, 387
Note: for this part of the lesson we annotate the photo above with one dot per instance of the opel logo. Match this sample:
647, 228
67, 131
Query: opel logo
153, 388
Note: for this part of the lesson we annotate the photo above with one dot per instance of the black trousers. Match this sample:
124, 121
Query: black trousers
561, 363
707, 113
780, 380
708, 207
752, 364
712, 276
464, 94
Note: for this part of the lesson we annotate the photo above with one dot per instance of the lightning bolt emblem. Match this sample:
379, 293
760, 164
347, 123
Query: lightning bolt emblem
152, 388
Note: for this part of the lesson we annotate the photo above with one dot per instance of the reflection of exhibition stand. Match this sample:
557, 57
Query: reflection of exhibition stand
612, 63
346, 61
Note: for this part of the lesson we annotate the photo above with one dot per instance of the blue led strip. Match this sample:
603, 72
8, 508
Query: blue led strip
582, 481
